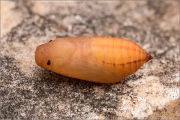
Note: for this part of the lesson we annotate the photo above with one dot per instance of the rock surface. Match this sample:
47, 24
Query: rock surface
28, 91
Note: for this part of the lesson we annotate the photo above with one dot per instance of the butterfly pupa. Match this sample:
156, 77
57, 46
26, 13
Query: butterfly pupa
95, 59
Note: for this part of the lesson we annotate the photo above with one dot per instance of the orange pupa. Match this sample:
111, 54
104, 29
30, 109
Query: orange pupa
95, 59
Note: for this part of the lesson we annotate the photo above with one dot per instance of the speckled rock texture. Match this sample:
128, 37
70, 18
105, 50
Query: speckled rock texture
30, 92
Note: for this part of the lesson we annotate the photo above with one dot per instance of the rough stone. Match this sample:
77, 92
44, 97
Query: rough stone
28, 91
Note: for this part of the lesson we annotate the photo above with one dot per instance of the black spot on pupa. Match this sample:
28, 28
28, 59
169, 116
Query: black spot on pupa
49, 62
50, 40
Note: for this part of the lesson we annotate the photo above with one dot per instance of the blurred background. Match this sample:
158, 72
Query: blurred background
28, 91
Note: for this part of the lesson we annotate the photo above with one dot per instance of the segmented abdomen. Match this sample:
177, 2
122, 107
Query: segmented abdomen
119, 56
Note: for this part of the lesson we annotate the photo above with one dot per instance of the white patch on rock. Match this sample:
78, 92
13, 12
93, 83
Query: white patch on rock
150, 95
11, 18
